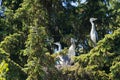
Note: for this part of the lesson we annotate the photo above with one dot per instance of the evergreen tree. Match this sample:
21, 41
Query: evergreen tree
102, 62
29, 23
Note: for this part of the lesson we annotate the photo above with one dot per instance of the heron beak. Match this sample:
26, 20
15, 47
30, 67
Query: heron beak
55, 43
95, 18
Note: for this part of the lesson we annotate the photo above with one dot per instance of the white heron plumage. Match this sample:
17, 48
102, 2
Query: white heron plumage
71, 50
63, 59
93, 33
59, 46
57, 51
0, 2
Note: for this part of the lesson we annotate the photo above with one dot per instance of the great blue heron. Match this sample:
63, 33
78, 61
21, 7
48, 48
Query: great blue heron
93, 33
63, 59
71, 51
59, 48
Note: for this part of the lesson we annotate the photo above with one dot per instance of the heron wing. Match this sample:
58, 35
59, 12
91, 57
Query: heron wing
96, 36
0, 2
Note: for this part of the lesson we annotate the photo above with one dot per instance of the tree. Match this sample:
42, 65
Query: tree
3, 64
102, 62
28, 24
39, 65
10, 53
14, 44
3, 70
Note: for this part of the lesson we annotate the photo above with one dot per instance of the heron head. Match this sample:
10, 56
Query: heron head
57, 43
92, 19
73, 40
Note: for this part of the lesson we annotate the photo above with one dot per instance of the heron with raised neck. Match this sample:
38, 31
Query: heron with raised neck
71, 50
59, 48
93, 32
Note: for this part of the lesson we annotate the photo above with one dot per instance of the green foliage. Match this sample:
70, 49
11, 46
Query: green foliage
35, 52
102, 62
12, 43
15, 71
3, 64
39, 65
12, 4
3, 55
9, 70
28, 23
3, 70
115, 68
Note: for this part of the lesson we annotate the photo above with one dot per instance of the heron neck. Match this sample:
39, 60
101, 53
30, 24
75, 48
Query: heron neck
93, 26
59, 47
73, 44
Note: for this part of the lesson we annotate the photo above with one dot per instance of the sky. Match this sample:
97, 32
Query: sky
0, 2
75, 4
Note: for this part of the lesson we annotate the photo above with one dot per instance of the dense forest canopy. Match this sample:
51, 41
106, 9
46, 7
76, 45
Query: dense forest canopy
29, 29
